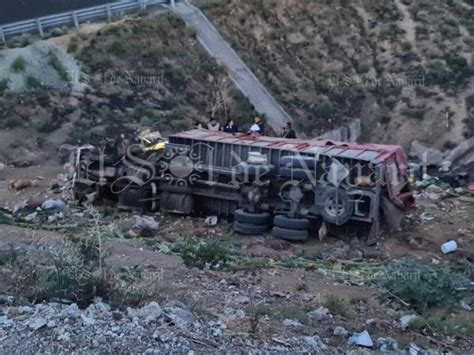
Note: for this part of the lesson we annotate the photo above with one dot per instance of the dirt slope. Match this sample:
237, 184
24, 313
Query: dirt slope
404, 67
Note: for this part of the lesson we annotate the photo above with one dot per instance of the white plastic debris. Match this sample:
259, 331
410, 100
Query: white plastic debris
414, 349
362, 339
212, 220
449, 247
406, 320
31, 217
53, 205
465, 306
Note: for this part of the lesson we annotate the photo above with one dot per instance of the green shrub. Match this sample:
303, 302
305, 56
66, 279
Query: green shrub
116, 48
18, 65
213, 253
190, 32
9, 256
72, 46
56, 64
391, 32
407, 46
385, 119
3, 86
336, 305
32, 83
450, 326
423, 286
418, 114
325, 109
422, 32
12, 122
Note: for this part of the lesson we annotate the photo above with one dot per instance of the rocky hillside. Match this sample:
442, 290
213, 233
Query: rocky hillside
404, 67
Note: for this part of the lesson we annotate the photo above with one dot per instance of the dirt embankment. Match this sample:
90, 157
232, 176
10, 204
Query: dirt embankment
404, 67
144, 72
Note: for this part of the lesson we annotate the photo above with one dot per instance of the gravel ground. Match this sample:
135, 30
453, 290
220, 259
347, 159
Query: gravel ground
37, 57
58, 329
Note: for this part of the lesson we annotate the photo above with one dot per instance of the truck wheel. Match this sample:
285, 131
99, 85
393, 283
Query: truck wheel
249, 229
291, 223
252, 218
337, 208
290, 234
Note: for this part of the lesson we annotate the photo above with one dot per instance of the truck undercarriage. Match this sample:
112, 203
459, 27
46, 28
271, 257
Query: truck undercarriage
292, 186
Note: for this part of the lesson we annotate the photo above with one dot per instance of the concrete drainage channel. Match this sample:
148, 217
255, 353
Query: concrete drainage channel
75, 18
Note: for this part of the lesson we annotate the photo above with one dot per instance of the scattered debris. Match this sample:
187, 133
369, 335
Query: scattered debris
55, 218
53, 205
415, 349
407, 320
465, 306
449, 247
434, 193
31, 217
20, 184
387, 345
362, 339
212, 220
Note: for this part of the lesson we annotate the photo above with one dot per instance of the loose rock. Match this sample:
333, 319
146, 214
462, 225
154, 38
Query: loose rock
405, 321
292, 323
340, 332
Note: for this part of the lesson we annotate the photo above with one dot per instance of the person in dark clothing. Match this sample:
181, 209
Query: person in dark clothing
230, 127
261, 125
289, 132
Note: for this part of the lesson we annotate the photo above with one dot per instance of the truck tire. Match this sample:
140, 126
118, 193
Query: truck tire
252, 218
249, 229
291, 223
290, 234
336, 206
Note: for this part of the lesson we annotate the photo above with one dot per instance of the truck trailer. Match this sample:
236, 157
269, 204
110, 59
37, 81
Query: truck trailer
289, 187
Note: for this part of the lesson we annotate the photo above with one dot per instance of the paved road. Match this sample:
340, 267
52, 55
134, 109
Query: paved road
240, 74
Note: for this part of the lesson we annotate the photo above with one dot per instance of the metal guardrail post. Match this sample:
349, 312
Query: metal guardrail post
75, 20
40, 27
109, 12
2, 35
75, 17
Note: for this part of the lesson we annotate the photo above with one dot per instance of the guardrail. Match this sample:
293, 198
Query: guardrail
75, 18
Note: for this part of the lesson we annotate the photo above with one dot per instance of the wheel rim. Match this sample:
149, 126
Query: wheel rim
334, 208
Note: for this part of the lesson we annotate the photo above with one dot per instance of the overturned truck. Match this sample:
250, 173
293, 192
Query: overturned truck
291, 187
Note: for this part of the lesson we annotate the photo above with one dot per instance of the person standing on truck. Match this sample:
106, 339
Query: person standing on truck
288, 131
260, 124
213, 125
230, 127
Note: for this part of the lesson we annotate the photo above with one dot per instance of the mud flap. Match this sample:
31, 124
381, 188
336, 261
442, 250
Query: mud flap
392, 215
375, 231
